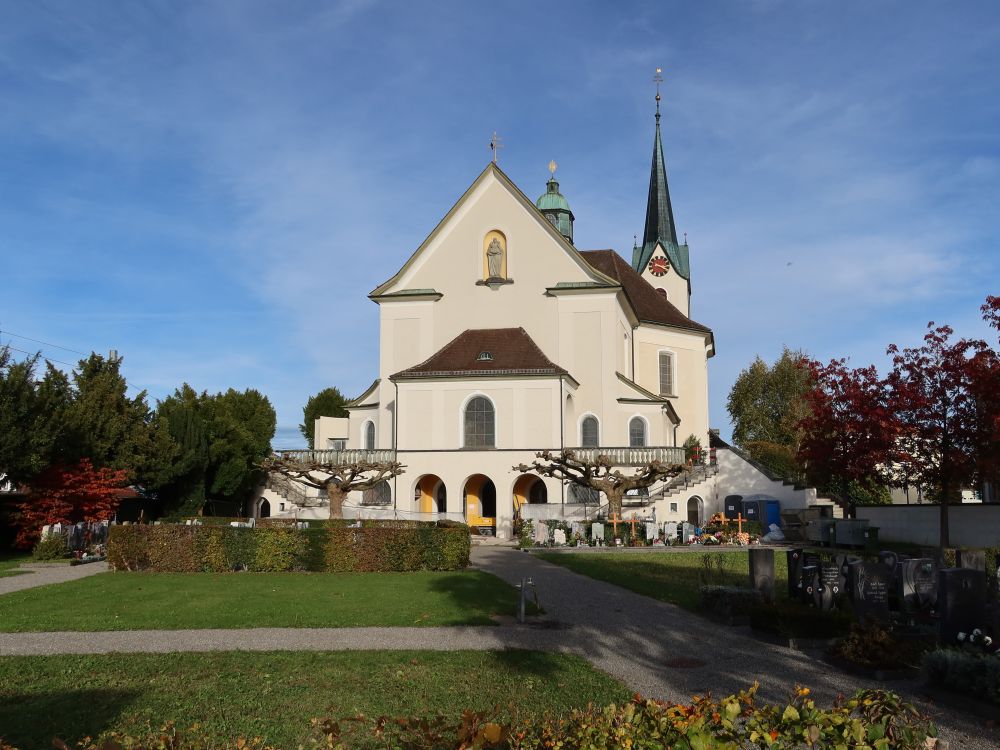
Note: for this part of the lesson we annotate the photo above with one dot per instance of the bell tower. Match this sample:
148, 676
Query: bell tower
555, 206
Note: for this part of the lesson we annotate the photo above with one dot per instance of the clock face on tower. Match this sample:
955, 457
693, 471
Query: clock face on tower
659, 265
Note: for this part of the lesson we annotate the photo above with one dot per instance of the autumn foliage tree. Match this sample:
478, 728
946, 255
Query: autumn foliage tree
69, 494
933, 421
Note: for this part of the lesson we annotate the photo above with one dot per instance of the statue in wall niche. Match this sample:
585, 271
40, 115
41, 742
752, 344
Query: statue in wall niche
494, 259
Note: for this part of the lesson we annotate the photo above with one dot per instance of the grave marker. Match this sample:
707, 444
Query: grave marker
597, 532
559, 536
762, 572
918, 584
972, 559
794, 557
870, 584
961, 602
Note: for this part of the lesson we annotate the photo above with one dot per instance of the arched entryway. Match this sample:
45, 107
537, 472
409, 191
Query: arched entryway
480, 501
694, 510
265, 509
529, 488
430, 494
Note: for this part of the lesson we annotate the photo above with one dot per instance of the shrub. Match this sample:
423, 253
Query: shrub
729, 601
385, 546
875, 646
793, 620
873, 719
52, 547
964, 672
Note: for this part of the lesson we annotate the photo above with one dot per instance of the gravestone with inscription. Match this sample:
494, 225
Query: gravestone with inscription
870, 584
794, 561
687, 531
650, 531
961, 602
972, 559
541, 533
597, 533
828, 589
918, 583
670, 530
810, 583
762, 572
559, 536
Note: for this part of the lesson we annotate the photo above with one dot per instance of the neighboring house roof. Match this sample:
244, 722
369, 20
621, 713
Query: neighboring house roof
649, 307
511, 352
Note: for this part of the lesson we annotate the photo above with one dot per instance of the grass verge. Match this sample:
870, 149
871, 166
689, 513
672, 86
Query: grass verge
669, 576
171, 601
9, 562
274, 695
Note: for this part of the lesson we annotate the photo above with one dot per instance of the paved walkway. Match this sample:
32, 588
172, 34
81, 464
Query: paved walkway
632, 637
42, 575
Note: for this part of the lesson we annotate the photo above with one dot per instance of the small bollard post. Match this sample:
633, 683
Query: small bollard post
520, 605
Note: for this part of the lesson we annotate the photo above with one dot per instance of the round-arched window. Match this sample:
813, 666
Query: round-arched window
480, 423
369, 436
637, 433
590, 432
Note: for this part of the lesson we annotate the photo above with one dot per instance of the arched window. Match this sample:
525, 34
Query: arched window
590, 432
637, 432
480, 423
538, 493
369, 434
380, 494
667, 374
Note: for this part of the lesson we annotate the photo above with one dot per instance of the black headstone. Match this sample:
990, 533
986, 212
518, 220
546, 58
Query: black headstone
810, 583
794, 557
826, 587
889, 559
762, 572
870, 584
961, 602
918, 584
972, 559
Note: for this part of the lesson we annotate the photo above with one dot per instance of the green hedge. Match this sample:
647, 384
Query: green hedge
377, 546
973, 674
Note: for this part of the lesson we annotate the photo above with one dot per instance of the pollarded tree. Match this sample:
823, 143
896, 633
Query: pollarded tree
337, 479
329, 402
600, 474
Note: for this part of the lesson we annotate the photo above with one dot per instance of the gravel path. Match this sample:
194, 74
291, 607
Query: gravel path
42, 575
633, 638
630, 636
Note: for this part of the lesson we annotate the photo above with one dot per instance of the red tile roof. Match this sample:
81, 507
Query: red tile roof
648, 305
512, 352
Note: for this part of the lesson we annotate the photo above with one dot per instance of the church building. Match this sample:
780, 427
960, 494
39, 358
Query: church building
499, 338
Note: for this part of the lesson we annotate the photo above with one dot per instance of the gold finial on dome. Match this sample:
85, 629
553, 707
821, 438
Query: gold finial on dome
553, 167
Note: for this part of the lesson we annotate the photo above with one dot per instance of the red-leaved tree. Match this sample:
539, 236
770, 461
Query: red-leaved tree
68, 494
852, 425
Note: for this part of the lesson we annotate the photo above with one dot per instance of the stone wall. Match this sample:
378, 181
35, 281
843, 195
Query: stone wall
973, 525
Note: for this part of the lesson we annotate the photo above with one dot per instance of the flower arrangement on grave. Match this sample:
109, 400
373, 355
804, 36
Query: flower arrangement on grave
742, 538
978, 642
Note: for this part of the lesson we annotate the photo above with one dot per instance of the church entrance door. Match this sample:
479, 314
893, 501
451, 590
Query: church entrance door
480, 502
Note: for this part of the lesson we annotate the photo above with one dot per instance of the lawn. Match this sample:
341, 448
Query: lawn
141, 601
274, 695
669, 576
9, 561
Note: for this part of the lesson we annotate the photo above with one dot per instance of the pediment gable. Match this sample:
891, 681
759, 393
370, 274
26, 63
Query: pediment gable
493, 202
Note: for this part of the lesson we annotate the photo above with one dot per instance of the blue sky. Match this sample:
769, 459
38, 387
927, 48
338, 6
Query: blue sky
213, 188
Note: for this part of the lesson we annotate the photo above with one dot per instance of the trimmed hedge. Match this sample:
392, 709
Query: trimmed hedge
378, 546
973, 674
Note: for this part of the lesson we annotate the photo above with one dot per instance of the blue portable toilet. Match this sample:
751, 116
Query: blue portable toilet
764, 509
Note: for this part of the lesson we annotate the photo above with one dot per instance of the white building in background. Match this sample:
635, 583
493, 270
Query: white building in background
499, 338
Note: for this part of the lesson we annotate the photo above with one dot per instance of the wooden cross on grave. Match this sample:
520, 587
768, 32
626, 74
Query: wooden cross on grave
633, 520
739, 522
615, 520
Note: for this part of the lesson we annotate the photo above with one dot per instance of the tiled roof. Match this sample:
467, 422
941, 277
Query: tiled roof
510, 352
649, 306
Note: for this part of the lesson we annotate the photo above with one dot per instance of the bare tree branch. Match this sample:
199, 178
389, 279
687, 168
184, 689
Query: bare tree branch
599, 474
336, 479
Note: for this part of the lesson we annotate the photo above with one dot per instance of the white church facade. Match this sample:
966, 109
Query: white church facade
499, 338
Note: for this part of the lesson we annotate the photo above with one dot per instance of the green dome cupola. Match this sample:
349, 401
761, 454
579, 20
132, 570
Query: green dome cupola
554, 205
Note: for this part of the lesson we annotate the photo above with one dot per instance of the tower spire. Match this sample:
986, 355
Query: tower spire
659, 213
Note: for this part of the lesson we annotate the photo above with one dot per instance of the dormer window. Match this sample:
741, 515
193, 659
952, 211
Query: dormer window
485, 357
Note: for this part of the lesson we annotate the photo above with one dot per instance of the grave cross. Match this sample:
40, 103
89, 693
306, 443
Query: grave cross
615, 520
633, 521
